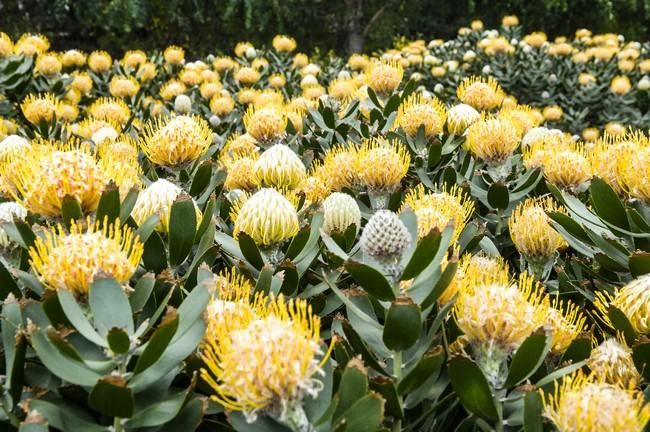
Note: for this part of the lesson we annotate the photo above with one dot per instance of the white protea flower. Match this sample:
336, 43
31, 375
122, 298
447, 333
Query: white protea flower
612, 362
10, 211
279, 166
268, 217
157, 198
460, 116
11, 146
106, 133
340, 211
308, 80
538, 134
385, 237
182, 104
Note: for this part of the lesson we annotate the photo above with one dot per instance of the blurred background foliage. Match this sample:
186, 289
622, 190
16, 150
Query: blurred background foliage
204, 26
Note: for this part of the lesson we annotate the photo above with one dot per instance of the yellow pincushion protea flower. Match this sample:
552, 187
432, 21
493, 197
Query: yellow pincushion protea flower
158, 198
123, 86
238, 146
210, 89
241, 173
268, 217
480, 93
72, 260
134, 58
73, 58
277, 80
37, 109
492, 139
632, 299
382, 164
566, 322
553, 113
614, 159
283, 43
111, 110
99, 61
631, 167
460, 117
620, 85
564, 162
242, 47
190, 77
48, 63
81, 82
31, 44
522, 116
536, 39
474, 270
6, 45
531, 231
267, 123
280, 167
176, 140
267, 360
580, 403
269, 97
342, 89
222, 105
497, 318
171, 89
611, 362
51, 170
340, 167
416, 112
146, 72
229, 304
174, 55
510, 21
437, 210
247, 76
384, 76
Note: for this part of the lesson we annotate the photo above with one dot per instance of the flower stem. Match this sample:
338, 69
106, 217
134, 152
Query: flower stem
117, 424
397, 372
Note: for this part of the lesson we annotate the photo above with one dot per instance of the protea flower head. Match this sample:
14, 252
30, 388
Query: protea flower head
480, 93
43, 108
176, 141
283, 43
384, 76
416, 112
393, 159
460, 117
73, 259
99, 61
566, 322
611, 361
111, 110
632, 299
157, 198
267, 123
339, 212
493, 140
279, 167
174, 55
385, 237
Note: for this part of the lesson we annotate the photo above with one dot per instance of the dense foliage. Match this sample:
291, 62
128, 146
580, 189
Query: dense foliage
446, 236
203, 26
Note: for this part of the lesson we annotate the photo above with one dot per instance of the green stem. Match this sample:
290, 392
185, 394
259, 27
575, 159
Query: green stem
397, 372
497, 230
117, 424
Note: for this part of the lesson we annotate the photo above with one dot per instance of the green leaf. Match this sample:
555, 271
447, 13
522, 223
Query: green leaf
60, 365
110, 306
385, 387
472, 388
403, 324
370, 279
250, 250
298, 243
109, 205
182, 229
435, 153
157, 344
78, 319
555, 375
361, 347
366, 415
422, 255
352, 387
607, 204
158, 413
639, 263
580, 349
428, 365
528, 357
59, 415
7, 283
201, 179
641, 357
20, 232
118, 340
188, 419
498, 196
154, 257
111, 397
622, 324
70, 210
441, 284
533, 421
142, 292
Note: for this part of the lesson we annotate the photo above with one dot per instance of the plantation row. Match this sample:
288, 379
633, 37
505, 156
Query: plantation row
449, 235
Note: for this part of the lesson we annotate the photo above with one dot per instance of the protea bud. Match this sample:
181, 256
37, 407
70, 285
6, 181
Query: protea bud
182, 104
339, 212
385, 237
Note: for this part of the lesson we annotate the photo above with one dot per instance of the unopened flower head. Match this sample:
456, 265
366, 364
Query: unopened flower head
632, 299
279, 167
384, 76
492, 139
416, 112
340, 211
176, 140
460, 117
71, 260
393, 159
268, 217
480, 93
385, 237
438, 209
583, 404
157, 198
265, 124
